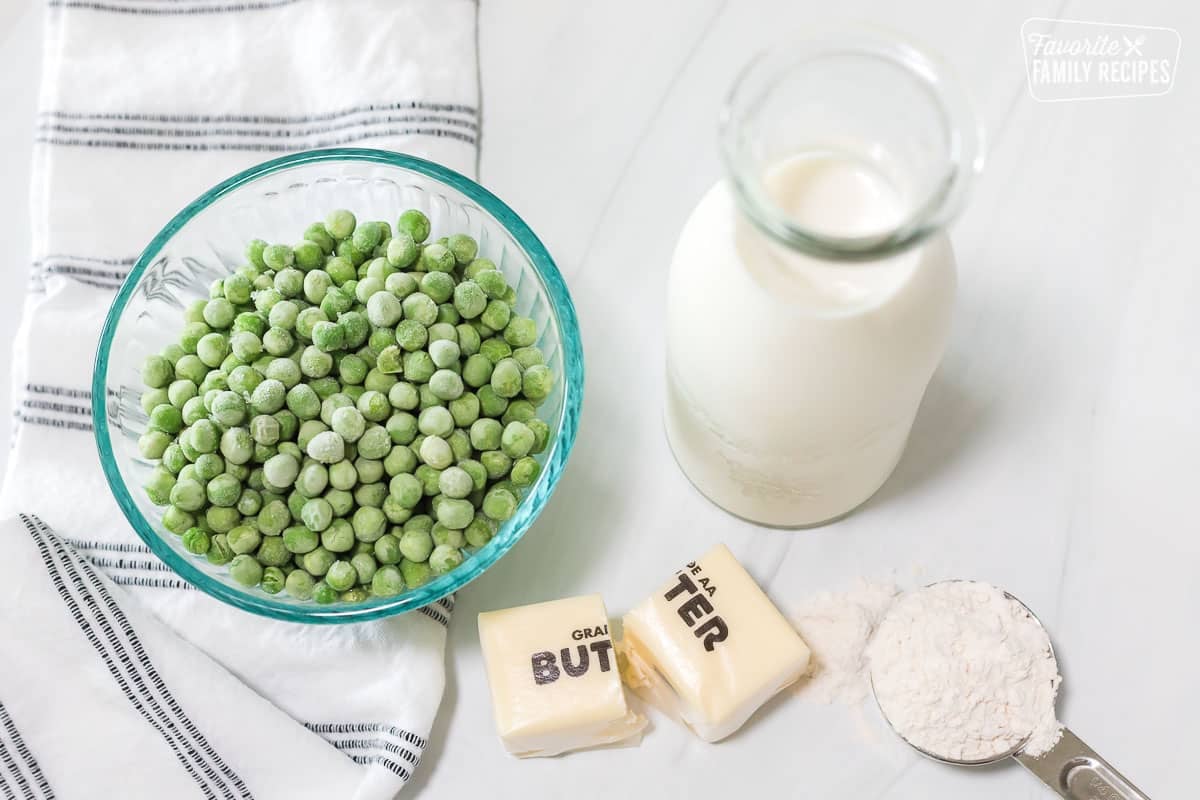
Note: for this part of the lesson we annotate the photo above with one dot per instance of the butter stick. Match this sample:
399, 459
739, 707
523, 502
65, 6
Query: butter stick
709, 647
553, 673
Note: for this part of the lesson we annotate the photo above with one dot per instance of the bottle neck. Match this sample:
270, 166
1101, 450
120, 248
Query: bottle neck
852, 147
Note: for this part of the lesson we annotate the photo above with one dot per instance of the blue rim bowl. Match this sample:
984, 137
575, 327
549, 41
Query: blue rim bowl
112, 395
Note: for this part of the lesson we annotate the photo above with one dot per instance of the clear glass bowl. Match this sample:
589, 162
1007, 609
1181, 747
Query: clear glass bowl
276, 201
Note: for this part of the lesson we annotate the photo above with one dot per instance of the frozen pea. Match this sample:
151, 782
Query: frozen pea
236, 445
307, 319
371, 494
496, 463
303, 402
402, 427
166, 418
476, 471
245, 569
486, 434
506, 378
315, 362
324, 387
317, 561
273, 518
219, 313
495, 349
338, 537
278, 256
490, 403
244, 380
380, 382
406, 489
367, 236
340, 224
435, 451
173, 458
299, 539
469, 299
446, 385
444, 352
369, 524
402, 249
273, 578
428, 476
496, 315
268, 397
374, 444
464, 409
378, 269
158, 487
329, 336
390, 360
218, 550
415, 224
435, 421
327, 447
448, 315
387, 582
438, 285
537, 382
404, 396
324, 594
477, 371
317, 514
420, 307
524, 472
387, 549
243, 539
264, 429
364, 567
250, 503
176, 520
228, 408
401, 284
272, 552
468, 340
196, 541
281, 470
180, 391
528, 357
341, 501
348, 423
212, 349
519, 411
444, 558
520, 332
455, 514
411, 335
340, 271
418, 367
499, 504
368, 287
437, 258
463, 247
343, 475
208, 466
245, 345
416, 545
374, 406
384, 310
369, 470
154, 398
460, 445
455, 483
312, 480
352, 369
299, 584
400, 460
541, 434
493, 284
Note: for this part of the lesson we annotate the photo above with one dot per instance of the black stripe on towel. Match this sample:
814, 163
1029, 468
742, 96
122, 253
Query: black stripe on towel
254, 147
398, 746
58, 391
102, 273
266, 119
56, 407
10, 737
366, 727
175, 9
435, 615
51, 422
98, 615
383, 761
273, 132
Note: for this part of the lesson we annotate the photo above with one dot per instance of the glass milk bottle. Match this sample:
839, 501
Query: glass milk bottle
811, 289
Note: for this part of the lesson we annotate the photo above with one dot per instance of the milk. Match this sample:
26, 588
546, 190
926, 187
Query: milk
792, 380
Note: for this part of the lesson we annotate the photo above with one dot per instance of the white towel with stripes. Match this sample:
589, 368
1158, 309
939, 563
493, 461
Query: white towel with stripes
116, 679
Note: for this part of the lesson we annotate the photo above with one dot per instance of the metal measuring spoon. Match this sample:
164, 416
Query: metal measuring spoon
1071, 768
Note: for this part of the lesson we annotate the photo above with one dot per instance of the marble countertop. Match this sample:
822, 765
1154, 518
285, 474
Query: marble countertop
1057, 452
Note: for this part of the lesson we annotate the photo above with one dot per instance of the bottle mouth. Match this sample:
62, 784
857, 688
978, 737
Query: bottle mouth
864, 96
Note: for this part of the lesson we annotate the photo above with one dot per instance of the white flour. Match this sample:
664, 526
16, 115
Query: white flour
837, 627
964, 672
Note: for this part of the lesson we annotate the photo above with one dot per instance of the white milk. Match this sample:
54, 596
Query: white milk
793, 382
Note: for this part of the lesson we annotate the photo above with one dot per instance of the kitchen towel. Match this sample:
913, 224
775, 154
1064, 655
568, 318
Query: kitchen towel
148, 688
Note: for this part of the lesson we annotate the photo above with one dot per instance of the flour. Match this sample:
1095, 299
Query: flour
837, 627
964, 672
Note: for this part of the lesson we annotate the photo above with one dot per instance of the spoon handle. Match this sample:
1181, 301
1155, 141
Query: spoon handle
1077, 772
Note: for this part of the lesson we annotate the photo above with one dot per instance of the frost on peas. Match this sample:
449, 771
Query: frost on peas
241, 411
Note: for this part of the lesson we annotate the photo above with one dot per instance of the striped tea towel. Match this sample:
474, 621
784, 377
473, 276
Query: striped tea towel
145, 104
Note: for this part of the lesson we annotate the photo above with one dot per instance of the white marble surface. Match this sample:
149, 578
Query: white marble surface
1057, 452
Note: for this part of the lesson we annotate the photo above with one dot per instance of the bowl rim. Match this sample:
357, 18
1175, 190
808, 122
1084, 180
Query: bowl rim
510, 532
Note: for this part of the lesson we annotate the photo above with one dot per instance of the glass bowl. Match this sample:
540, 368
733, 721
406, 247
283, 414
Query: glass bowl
276, 201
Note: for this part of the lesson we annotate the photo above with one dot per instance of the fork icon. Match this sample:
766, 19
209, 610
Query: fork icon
1134, 47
